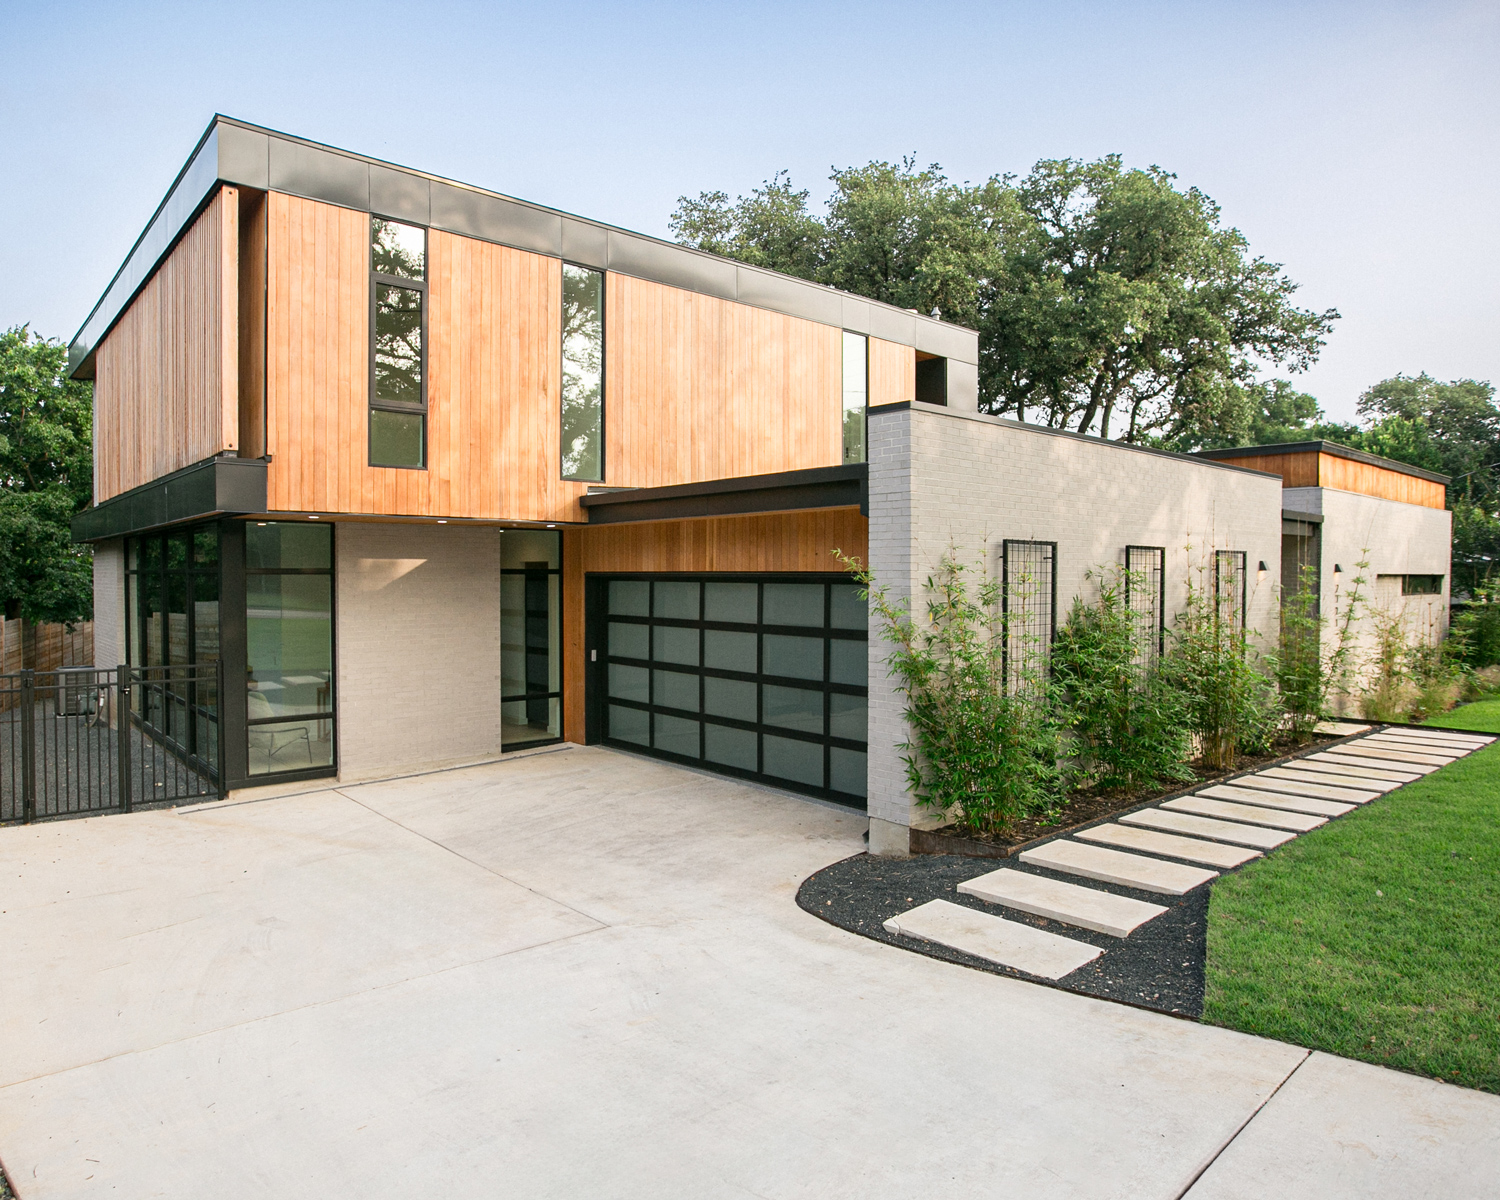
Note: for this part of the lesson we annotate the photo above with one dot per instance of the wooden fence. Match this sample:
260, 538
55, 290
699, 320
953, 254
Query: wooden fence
45, 647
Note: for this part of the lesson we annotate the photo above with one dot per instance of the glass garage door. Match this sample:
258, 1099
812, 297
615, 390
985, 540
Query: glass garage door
761, 677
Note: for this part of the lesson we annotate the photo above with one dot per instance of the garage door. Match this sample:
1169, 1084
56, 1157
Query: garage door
758, 676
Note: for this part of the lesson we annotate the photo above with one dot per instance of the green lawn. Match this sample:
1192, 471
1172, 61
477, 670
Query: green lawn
1376, 936
1482, 715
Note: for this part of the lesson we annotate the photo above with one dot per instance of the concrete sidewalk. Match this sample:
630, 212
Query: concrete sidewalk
581, 973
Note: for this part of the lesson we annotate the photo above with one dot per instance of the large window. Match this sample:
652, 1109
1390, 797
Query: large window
289, 646
582, 373
1028, 602
856, 395
398, 309
172, 620
530, 637
760, 677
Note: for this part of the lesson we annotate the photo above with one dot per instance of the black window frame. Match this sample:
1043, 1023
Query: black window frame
379, 279
562, 357
1160, 566
562, 671
1409, 589
864, 437
597, 586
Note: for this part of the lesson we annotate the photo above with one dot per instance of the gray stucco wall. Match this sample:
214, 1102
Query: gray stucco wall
109, 603
418, 646
939, 478
1401, 539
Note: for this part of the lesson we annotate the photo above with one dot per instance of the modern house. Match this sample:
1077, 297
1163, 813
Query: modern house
436, 474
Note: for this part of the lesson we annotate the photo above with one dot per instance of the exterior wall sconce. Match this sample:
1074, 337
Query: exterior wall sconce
1337, 571
1260, 571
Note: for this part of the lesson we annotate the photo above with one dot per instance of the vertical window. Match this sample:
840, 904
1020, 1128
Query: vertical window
530, 637
856, 395
398, 311
1230, 588
582, 373
172, 620
1028, 603
1146, 595
289, 706
932, 379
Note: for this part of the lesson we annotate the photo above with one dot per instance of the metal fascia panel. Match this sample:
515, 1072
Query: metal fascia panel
463, 211
585, 244
319, 174
672, 265
856, 314
892, 325
795, 297
240, 485
963, 386
947, 341
244, 156
400, 194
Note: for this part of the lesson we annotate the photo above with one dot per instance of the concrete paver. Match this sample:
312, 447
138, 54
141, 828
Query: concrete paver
1386, 773
1373, 756
571, 974
1268, 782
1278, 800
1294, 774
1172, 845
1445, 745
1085, 907
1205, 806
1009, 943
1224, 831
1117, 866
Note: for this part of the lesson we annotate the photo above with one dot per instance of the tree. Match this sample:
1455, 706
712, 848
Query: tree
46, 476
1106, 299
1263, 414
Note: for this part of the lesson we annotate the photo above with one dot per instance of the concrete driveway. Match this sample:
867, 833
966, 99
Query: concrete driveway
581, 974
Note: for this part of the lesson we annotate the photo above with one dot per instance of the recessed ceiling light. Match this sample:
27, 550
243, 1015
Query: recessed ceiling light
551, 526
261, 523
312, 518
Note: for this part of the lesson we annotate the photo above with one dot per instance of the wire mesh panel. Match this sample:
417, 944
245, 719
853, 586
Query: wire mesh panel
1230, 588
1146, 595
1028, 601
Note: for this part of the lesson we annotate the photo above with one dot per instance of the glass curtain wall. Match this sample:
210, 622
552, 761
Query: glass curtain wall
856, 395
290, 703
172, 620
530, 637
582, 373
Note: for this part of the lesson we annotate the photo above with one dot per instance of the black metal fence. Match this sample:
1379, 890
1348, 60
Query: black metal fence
79, 741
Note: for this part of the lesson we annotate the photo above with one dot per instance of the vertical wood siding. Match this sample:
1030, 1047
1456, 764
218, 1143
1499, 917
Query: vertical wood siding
1313, 469
166, 376
700, 388
893, 373
800, 541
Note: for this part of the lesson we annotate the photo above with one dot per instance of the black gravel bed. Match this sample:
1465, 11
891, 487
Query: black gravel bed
1159, 966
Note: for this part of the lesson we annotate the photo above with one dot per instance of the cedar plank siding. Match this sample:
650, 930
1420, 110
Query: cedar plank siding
1314, 469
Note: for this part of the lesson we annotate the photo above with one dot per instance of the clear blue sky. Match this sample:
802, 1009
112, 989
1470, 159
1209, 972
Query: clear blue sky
1355, 143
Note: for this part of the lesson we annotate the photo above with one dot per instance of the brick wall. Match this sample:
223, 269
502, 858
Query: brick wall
418, 646
939, 478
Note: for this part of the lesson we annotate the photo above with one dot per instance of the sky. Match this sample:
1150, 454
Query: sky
1355, 143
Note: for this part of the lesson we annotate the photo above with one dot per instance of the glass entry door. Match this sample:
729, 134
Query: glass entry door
530, 637
763, 676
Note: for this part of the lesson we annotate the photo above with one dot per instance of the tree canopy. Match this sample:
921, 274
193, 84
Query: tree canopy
46, 476
1107, 299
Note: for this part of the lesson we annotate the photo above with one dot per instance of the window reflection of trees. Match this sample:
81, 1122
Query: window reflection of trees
582, 373
398, 345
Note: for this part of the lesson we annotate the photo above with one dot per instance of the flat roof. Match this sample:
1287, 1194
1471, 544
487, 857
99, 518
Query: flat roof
236, 152
1321, 447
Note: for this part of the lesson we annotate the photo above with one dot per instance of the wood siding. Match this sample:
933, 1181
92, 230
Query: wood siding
252, 323
1313, 469
893, 373
166, 376
800, 541
700, 388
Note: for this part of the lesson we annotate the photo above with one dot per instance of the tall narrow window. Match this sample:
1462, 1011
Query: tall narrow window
856, 395
582, 373
530, 637
1230, 587
398, 309
1028, 602
1146, 595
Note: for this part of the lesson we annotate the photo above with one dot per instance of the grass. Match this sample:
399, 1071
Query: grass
1481, 715
1376, 936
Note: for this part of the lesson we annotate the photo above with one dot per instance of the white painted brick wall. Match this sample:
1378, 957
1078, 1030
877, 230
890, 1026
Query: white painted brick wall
109, 603
418, 646
939, 478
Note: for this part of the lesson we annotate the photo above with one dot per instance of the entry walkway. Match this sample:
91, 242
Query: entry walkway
581, 973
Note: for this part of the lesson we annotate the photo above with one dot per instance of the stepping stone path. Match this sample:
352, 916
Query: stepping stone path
1220, 825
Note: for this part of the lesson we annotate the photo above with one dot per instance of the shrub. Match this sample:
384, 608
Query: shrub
1477, 630
1306, 678
981, 752
1127, 717
1229, 704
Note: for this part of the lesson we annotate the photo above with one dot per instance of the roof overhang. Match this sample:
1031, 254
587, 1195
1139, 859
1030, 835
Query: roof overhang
216, 487
236, 152
1321, 447
787, 491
